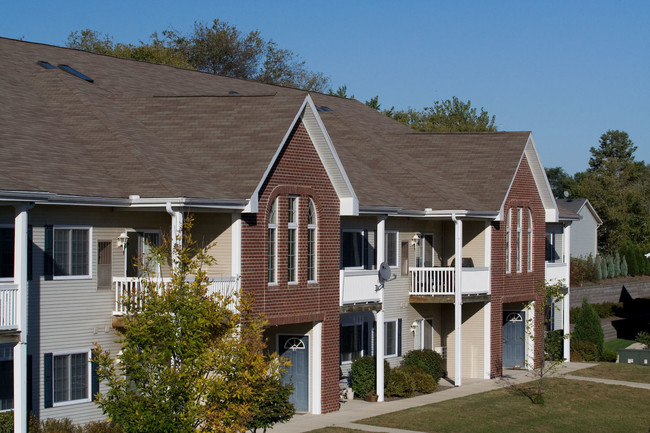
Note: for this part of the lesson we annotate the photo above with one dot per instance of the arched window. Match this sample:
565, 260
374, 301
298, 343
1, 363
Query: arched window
530, 241
292, 240
273, 242
508, 217
519, 237
311, 241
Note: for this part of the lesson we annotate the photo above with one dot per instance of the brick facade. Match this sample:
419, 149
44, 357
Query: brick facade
298, 171
513, 286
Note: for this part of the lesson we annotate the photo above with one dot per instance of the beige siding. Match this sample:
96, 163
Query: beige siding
473, 243
215, 230
472, 340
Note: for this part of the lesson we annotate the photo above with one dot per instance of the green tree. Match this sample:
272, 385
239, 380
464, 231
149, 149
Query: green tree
617, 187
189, 358
560, 181
341, 92
447, 115
274, 407
374, 103
588, 327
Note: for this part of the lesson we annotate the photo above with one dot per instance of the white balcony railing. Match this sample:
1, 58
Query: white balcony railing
130, 292
358, 286
8, 306
442, 281
556, 272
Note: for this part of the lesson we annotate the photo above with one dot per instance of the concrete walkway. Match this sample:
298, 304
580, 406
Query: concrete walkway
355, 410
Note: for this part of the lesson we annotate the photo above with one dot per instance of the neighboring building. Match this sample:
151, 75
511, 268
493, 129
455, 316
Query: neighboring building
303, 195
584, 237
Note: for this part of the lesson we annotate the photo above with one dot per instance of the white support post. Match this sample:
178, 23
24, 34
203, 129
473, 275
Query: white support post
381, 236
317, 367
487, 339
458, 300
177, 230
566, 305
20, 349
236, 244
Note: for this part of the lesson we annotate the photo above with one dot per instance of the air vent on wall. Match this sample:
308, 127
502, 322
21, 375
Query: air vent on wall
76, 73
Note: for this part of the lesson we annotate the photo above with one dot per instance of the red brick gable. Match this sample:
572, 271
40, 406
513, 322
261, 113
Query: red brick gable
298, 171
513, 286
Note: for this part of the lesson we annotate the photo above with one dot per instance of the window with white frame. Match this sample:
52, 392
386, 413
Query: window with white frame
71, 377
273, 243
529, 266
352, 342
312, 227
519, 234
391, 248
139, 247
292, 240
353, 249
508, 240
391, 338
71, 251
425, 251
6, 252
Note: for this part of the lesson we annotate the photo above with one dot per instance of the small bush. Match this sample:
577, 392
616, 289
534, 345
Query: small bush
428, 360
643, 338
554, 345
609, 356
7, 423
101, 427
62, 425
363, 375
588, 328
586, 351
583, 271
400, 383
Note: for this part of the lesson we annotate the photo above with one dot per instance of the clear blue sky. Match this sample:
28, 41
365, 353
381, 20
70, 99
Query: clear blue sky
566, 70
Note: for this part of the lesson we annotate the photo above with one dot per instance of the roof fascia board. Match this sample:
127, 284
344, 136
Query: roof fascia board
349, 203
591, 209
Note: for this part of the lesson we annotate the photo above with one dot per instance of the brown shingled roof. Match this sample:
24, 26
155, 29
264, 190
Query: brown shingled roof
160, 131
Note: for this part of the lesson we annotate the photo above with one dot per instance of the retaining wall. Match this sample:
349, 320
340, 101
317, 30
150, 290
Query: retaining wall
617, 290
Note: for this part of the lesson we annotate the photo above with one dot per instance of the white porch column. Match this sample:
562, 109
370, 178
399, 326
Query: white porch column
20, 349
381, 236
458, 299
317, 377
177, 230
236, 244
566, 305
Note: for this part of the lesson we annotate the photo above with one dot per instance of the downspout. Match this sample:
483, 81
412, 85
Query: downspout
458, 299
177, 231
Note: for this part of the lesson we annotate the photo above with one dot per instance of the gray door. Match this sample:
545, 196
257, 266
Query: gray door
296, 349
514, 334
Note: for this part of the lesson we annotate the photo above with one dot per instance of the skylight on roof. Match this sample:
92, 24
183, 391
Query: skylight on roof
323, 108
234, 92
46, 65
76, 73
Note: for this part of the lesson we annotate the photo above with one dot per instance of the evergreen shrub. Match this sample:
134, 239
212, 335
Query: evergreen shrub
554, 345
363, 375
428, 360
584, 351
400, 383
588, 328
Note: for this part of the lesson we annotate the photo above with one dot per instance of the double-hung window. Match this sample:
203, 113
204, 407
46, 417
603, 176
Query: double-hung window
312, 226
519, 240
292, 240
352, 342
508, 239
391, 248
71, 252
273, 243
71, 377
392, 336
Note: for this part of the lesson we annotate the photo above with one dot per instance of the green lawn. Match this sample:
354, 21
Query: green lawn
571, 406
619, 343
615, 371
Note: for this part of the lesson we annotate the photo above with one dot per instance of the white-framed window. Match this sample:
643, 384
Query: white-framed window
312, 239
391, 338
6, 252
71, 373
72, 250
352, 342
519, 240
273, 243
529, 243
292, 240
425, 251
508, 240
140, 263
353, 249
391, 248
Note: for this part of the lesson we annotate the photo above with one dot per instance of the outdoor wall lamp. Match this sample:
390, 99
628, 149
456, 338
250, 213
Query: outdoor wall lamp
122, 240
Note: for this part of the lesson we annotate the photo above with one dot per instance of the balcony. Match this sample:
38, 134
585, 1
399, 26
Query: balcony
130, 292
8, 307
359, 287
441, 282
556, 272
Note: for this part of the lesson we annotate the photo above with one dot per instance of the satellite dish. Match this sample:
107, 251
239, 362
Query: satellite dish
384, 272
566, 194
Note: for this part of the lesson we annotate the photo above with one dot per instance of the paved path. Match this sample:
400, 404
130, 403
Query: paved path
355, 410
610, 382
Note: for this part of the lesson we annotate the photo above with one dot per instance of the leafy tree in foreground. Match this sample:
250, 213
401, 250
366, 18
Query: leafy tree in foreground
190, 360
447, 115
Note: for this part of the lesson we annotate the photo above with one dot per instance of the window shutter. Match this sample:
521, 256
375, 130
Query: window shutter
399, 337
48, 254
94, 379
47, 380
